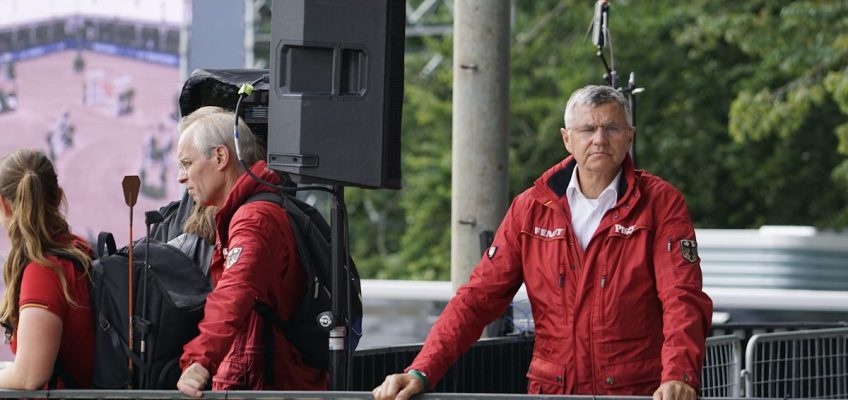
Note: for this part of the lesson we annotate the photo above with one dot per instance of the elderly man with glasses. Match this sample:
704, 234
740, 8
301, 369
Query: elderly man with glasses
609, 257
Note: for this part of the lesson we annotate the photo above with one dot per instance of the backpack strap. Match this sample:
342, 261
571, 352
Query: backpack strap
105, 244
103, 324
271, 197
297, 210
312, 236
292, 205
270, 321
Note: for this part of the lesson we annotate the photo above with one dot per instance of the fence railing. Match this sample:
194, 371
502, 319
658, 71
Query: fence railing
811, 363
496, 365
499, 365
803, 364
746, 330
795, 364
720, 376
259, 395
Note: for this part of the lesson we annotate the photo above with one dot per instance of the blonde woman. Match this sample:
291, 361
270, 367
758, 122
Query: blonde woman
46, 309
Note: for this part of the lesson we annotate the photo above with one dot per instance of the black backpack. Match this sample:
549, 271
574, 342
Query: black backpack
312, 236
166, 315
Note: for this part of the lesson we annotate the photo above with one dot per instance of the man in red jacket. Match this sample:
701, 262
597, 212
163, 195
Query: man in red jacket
609, 258
255, 260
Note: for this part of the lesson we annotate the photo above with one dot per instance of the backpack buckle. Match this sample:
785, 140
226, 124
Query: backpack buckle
104, 323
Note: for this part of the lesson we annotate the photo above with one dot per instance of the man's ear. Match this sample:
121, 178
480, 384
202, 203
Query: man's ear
566, 140
222, 156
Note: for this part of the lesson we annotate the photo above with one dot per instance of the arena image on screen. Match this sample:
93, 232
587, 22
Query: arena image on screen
99, 95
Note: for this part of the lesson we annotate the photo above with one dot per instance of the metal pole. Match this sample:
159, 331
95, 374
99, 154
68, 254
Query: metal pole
249, 33
632, 97
184, 39
480, 142
338, 360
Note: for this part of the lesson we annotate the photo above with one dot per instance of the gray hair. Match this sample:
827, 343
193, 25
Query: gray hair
213, 126
596, 95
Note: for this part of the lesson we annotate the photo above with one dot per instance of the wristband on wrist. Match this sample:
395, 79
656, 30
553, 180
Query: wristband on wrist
421, 376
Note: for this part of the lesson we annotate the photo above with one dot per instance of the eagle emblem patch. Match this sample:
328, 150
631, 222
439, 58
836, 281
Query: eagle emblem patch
232, 257
689, 250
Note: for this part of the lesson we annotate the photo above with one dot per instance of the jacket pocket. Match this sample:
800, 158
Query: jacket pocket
545, 377
632, 378
627, 246
539, 246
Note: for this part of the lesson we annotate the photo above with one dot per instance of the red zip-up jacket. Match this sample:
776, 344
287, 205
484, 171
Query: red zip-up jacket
619, 318
255, 259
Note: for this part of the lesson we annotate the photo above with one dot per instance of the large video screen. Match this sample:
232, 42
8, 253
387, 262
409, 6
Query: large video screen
94, 84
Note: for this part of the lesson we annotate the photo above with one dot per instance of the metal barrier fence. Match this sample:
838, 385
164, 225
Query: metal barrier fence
722, 364
798, 364
499, 365
805, 364
255, 395
496, 365
746, 330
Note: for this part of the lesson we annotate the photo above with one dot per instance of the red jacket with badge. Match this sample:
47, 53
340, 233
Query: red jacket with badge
616, 319
261, 265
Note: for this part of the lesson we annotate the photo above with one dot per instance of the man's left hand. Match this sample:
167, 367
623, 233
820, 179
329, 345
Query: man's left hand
675, 390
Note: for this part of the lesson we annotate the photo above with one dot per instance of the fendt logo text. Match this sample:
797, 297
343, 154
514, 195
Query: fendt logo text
548, 233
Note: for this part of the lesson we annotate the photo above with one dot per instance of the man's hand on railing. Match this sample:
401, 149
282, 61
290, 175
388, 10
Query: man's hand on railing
675, 390
193, 379
398, 387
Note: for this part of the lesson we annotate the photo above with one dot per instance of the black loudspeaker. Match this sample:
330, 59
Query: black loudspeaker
336, 91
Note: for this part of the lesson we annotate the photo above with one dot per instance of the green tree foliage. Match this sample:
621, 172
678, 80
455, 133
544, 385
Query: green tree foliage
745, 111
787, 117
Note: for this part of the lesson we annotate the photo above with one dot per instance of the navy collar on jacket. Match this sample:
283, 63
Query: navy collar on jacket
558, 182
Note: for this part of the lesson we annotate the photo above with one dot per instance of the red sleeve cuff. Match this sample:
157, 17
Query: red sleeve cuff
685, 377
186, 361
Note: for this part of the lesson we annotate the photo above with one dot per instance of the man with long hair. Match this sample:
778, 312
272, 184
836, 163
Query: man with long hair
255, 261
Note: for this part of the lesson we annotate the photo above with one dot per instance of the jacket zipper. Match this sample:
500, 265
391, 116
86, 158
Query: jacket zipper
571, 249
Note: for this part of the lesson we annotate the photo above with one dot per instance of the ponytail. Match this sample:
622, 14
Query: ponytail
36, 227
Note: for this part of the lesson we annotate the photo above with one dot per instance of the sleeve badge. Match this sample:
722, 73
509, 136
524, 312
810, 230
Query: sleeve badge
689, 250
232, 257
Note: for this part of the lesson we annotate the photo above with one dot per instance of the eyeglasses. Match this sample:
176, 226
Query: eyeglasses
183, 167
186, 163
611, 130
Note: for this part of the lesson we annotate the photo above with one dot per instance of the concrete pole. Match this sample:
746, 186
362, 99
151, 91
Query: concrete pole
480, 114
250, 11
184, 39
